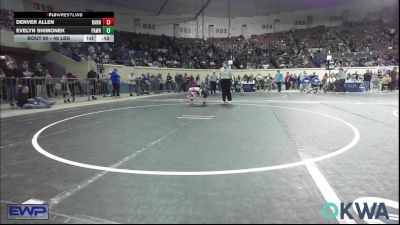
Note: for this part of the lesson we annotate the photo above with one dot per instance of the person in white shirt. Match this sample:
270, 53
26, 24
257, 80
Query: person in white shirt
226, 79
352, 79
131, 83
104, 78
342, 77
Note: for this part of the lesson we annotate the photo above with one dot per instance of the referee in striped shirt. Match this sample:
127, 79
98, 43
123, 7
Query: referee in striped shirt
226, 78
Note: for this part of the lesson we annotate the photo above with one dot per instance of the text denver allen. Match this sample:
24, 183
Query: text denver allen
33, 22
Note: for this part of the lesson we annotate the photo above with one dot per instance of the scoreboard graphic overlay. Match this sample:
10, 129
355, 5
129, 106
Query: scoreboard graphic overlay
64, 26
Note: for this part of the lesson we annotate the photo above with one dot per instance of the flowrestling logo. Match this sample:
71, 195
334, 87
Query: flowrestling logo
368, 209
28, 212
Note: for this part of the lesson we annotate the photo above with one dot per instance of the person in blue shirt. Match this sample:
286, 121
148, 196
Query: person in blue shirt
315, 83
143, 84
304, 83
279, 80
206, 81
115, 80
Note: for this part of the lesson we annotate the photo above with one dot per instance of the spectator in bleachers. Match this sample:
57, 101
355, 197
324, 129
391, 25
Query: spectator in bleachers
273, 50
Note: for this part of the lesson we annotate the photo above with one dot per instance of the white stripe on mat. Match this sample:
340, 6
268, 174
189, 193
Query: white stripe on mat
326, 190
194, 118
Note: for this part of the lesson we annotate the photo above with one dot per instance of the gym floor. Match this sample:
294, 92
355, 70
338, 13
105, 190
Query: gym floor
266, 158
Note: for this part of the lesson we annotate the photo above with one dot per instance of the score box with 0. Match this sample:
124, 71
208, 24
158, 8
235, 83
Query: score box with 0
108, 22
108, 30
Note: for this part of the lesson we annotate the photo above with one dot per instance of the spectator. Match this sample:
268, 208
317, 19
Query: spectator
169, 83
287, 80
294, 81
178, 82
38, 75
330, 84
213, 82
184, 82
144, 84
27, 75
343, 78
65, 88
12, 74
72, 82
262, 84
394, 76
324, 80
279, 80
158, 79
92, 77
266, 50
104, 78
153, 83
49, 84
206, 82
131, 83
298, 81
351, 79
386, 80
25, 103
198, 81
376, 82
191, 81
367, 80
115, 80
269, 82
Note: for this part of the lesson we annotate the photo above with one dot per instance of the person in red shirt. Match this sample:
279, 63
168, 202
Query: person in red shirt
324, 80
288, 78
394, 79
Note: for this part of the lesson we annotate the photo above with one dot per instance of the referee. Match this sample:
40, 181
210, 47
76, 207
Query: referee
226, 78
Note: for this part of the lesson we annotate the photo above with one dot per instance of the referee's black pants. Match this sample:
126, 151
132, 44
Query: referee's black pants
226, 89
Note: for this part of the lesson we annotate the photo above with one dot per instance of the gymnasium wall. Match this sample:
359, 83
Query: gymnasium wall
124, 71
